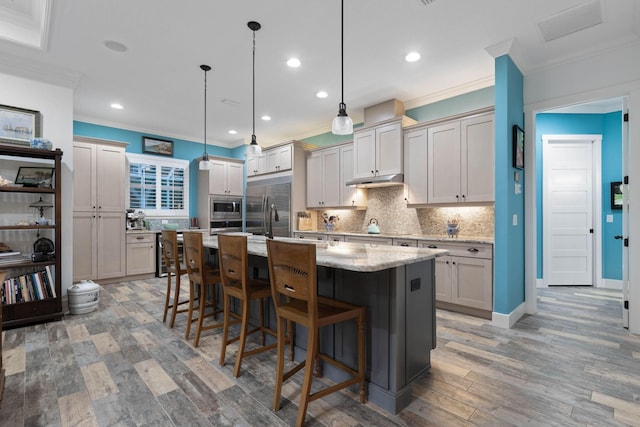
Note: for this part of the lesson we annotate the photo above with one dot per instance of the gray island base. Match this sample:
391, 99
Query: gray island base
397, 286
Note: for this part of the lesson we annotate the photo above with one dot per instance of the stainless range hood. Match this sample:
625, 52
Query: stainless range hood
377, 181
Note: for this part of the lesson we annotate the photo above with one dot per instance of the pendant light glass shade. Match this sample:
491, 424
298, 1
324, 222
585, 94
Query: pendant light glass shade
342, 124
205, 163
254, 149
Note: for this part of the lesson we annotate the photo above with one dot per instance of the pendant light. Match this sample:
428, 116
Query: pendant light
342, 124
205, 163
254, 150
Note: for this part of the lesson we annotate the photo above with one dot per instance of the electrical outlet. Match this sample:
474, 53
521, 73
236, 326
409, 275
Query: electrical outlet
515, 219
165, 221
609, 218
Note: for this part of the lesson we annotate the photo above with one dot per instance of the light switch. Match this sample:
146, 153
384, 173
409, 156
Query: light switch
515, 219
609, 218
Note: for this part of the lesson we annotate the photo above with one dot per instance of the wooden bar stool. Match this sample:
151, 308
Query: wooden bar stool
292, 271
202, 278
234, 266
174, 267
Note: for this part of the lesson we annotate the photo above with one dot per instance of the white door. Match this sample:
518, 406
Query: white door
568, 203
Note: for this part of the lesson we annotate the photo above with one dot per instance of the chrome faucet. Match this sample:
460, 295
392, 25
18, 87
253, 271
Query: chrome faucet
272, 210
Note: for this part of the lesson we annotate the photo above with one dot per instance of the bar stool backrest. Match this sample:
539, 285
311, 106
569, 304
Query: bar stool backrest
233, 259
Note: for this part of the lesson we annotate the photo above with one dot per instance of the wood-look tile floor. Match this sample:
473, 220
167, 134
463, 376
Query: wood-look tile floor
571, 364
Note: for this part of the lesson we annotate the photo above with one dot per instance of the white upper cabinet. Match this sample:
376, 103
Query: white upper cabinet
226, 178
415, 165
461, 162
279, 159
257, 165
323, 178
328, 171
378, 150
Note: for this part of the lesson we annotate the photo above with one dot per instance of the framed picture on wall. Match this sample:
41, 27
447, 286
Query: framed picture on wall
18, 125
518, 147
616, 195
157, 146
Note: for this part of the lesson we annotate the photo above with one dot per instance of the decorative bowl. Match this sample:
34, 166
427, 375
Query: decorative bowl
170, 226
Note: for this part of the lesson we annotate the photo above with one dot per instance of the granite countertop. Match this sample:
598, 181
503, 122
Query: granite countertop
440, 237
202, 230
361, 257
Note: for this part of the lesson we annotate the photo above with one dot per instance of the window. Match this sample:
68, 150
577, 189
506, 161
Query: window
158, 187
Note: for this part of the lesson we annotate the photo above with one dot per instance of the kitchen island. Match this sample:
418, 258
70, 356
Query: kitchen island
396, 284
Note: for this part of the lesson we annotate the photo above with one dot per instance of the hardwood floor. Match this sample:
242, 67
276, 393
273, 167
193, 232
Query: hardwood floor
571, 364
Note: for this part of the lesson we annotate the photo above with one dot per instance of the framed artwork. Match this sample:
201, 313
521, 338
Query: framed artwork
616, 195
518, 147
157, 146
18, 125
34, 176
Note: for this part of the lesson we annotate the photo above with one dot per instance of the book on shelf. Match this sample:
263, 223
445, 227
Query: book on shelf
28, 287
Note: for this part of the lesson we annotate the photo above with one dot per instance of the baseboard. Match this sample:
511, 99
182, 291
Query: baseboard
611, 284
506, 321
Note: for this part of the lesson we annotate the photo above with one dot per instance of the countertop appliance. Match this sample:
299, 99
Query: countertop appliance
135, 220
261, 195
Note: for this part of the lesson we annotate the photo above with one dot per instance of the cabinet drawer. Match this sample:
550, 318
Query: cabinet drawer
405, 242
473, 250
141, 238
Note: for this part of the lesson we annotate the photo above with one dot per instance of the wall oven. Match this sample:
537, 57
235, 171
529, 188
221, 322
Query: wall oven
226, 214
225, 208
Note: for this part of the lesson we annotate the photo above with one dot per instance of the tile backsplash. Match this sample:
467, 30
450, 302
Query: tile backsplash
388, 206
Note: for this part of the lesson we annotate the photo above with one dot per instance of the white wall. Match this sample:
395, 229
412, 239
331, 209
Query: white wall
612, 74
55, 103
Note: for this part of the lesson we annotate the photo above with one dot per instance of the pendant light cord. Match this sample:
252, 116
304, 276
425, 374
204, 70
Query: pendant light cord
342, 52
205, 112
254, 85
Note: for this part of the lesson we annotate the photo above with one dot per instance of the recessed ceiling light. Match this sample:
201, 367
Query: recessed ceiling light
266, 118
115, 46
293, 62
322, 94
117, 106
412, 57
233, 132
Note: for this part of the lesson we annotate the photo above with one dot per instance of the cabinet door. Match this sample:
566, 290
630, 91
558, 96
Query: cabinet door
389, 149
111, 245
477, 159
218, 177
314, 180
331, 177
285, 159
235, 179
443, 278
111, 176
443, 161
84, 177
415, 165
85, 259
141, 251
364, 153
472, 282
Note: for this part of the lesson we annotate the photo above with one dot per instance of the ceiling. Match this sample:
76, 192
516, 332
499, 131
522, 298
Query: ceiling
159, 83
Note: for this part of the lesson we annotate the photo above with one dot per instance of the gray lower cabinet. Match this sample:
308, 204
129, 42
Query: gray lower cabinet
464, 278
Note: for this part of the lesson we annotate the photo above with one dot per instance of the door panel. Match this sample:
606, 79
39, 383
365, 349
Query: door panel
568, 206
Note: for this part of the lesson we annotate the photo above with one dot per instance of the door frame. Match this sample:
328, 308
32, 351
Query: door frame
596, 201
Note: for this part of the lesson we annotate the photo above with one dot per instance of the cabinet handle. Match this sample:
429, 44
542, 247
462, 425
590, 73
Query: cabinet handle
139, 238
473, 250
457, 197
433, 247
372, 173
404, 244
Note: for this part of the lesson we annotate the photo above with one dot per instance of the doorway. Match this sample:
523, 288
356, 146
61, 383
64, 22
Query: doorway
571, 204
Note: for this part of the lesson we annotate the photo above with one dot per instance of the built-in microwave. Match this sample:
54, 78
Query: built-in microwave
225, 208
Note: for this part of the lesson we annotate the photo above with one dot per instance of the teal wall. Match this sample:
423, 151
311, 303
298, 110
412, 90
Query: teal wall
508, 263
182, 149
610, 127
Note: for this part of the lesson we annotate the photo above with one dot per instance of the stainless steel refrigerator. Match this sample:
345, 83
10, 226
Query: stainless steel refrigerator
261, 195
